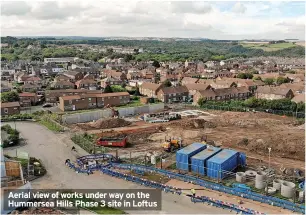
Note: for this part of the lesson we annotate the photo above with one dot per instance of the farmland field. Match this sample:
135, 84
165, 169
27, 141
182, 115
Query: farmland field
267, 46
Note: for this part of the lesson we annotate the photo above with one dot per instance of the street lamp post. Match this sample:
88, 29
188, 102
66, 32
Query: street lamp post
269, 155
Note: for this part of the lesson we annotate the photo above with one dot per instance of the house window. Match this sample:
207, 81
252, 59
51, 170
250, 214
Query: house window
89, 99
120, 97
70, 102
15, 108
5, 110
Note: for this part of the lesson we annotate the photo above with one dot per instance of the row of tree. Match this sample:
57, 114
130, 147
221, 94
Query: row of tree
279, 104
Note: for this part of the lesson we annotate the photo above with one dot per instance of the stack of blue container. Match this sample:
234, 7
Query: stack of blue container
183, 156
225, 161
198, 161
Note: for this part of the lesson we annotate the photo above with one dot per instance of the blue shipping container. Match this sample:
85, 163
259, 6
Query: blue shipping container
198, 161
183, 156
224, 161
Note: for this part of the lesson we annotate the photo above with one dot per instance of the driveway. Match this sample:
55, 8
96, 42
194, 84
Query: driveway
54, 148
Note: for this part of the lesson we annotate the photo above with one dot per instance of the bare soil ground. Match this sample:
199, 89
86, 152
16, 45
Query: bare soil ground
248, 132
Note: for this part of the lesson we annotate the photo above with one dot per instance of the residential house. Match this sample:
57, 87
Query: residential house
61, 77
86, 84
10, 108
20, 77
272, 93
30, 87
89, 77
52, 96
193, 88
147, 74
149, 89
173, 94
27, 99
296, 78
117, 75
297, 88
110, 82
222, 84
89, 101
74, 75
5, 75
222, 94
134, 76
299, 98
188, 80
33, 80
62, 85
5, 88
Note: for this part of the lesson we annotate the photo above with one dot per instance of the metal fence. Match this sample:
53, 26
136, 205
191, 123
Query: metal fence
105, 113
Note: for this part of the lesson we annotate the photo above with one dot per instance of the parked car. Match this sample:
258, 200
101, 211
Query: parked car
47, 105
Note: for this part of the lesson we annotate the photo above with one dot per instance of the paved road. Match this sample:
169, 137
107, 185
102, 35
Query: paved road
53, 149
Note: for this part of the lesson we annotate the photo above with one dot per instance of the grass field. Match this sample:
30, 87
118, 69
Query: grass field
268, 47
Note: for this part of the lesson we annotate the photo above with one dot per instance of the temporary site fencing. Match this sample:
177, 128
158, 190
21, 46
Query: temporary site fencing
110, 167
246, 109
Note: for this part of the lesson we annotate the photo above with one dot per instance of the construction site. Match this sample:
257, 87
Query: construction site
243, 151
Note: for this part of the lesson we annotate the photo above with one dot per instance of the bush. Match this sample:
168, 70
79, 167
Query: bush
135, 98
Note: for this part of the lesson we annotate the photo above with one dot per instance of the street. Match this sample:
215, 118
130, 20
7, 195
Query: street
54, 148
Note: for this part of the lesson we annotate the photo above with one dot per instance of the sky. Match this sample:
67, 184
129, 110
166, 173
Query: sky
228, 20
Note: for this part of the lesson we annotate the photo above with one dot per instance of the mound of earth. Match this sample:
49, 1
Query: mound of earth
193, 123
104, 124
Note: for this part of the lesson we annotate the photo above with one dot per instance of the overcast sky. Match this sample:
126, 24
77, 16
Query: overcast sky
214, 20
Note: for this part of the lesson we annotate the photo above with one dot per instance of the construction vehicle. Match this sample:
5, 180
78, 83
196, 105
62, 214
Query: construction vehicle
172, 144
115, 113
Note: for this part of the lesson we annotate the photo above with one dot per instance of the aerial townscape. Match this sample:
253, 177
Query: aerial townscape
214, 125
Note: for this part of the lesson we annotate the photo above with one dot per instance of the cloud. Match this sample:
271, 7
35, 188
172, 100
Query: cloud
18, 8
239, 8
152, 18
190, 7
55, 10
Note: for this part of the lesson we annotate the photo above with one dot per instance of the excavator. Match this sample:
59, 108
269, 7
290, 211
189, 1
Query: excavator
115, 113
172, 144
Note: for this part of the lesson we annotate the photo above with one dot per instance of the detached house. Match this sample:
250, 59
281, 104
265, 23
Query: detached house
33, 80
74, 75
193, 88
110, 82
149, 89
173, 94
30, 87
188, 80
86, 84
273, 93
62, 85
10, 108
27, 99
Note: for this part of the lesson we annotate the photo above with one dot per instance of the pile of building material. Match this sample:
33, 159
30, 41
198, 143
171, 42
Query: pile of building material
194, 123
161, 117
105, 124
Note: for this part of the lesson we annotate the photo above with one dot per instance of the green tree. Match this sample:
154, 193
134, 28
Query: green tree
201, 101
18, 89
269, 81
167, 83
128, 57
137, 92
257, 78
245, 75
118, 88
281, 80
156, 64
9, 97
108, 89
